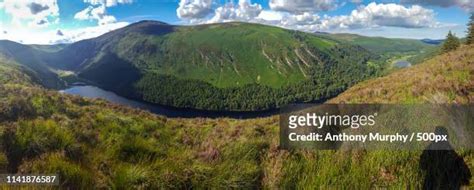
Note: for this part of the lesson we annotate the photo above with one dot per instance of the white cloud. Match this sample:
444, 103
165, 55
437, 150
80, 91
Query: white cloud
95, 13
97, 10
413, 33
84, 14
194, 9
371, 16
44, 12
467, 5
303, 19
59, 36
70, 36
300, 6
442, 3
108, 3
247, 10
270, 15
33, 13
243, 11
376, 15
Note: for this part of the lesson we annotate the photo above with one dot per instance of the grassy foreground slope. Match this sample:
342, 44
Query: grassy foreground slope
95, 144
447, 78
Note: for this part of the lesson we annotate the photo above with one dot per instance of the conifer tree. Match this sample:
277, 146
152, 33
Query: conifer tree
451, 43
470, 31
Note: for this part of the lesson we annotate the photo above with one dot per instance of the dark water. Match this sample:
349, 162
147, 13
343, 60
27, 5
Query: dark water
95, 92
402, 64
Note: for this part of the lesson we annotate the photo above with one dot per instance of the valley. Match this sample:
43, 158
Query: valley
93, 143
237, 94
216, 67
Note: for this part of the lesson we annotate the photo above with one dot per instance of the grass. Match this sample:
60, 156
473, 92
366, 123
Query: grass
12, 74
446, 78
94, 144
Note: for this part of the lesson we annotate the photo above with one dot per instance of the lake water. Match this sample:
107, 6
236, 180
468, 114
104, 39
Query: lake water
402, 64
95, 92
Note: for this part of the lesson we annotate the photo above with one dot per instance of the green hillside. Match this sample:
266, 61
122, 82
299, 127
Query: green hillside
231, 66
223, 55
31, 60
12, 74
446, 78
381, 45
230, 55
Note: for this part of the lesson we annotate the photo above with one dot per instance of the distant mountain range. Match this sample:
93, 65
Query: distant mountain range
230, 66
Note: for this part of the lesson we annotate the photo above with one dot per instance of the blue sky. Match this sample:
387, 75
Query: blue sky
63, 21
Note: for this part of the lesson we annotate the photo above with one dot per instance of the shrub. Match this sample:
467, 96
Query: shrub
451, 43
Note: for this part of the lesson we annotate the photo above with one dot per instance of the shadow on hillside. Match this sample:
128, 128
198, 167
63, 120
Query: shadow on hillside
113, 73
443, 167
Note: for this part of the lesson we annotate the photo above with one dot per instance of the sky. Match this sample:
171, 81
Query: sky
67, 21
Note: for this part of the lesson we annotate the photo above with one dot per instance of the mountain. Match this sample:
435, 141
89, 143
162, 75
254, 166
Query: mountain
32, 61
446, 78
231, 66
224, 55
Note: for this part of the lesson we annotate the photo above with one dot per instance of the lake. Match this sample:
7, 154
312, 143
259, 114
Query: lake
95, 92
402, 64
